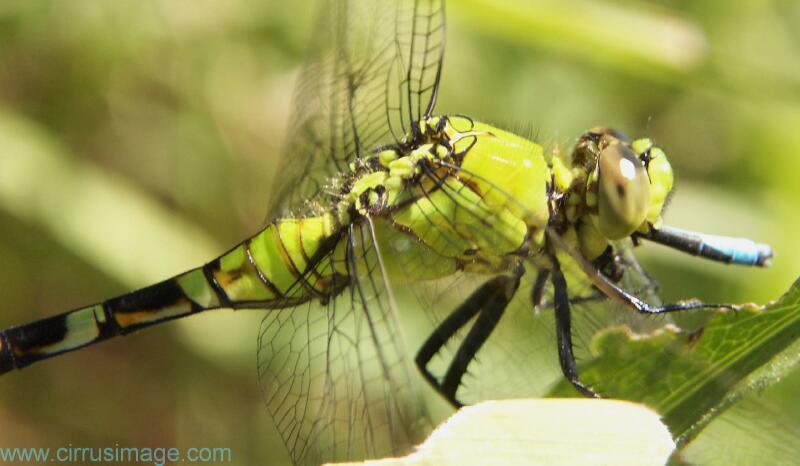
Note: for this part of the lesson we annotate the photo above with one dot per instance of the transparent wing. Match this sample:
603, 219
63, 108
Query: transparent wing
374, 70
335, 378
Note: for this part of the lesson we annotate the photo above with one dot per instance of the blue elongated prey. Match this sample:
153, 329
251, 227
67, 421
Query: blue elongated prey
377, 191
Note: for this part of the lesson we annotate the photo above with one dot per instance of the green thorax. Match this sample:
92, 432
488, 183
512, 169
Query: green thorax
461, 195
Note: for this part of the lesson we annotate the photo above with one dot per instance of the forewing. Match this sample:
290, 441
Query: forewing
335, 377
374, 69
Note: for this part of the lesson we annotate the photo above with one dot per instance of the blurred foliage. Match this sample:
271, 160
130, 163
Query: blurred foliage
150, 131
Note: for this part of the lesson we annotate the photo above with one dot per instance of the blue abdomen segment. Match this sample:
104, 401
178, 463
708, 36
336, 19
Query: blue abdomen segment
726, 249
740, 250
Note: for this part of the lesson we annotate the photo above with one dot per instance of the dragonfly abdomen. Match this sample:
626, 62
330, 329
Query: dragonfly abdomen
281, 266
278, 267
177, 297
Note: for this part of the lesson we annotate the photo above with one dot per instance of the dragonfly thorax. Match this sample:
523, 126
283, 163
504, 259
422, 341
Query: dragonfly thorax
471, 194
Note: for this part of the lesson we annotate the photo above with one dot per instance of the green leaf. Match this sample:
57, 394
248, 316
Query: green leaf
691, 378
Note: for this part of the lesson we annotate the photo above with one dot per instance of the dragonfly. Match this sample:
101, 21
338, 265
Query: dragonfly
379, 193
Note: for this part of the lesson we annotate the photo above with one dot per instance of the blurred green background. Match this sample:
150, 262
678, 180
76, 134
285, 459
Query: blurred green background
140, 138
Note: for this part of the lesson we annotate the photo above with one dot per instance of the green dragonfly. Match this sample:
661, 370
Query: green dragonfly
378, 192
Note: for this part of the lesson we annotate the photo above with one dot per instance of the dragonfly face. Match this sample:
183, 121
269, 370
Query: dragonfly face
611, 188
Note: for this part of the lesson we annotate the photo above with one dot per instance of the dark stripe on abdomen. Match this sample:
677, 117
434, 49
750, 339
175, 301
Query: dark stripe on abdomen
149, 306
177, 297
6, 358
26, 344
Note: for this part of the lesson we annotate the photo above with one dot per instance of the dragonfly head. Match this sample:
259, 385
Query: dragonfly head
627, 183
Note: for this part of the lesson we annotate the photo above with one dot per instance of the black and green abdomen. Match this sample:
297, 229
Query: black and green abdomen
273, 269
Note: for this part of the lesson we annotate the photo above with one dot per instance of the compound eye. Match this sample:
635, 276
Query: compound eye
623, 193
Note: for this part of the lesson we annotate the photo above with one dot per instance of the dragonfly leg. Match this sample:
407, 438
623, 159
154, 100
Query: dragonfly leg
488, 302
457, 319
537, 292
566, 357
616, 293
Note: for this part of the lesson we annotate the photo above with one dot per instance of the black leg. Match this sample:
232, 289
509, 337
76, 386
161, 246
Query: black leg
488, 302
537, 293
484, 325
613, 291
564, 330
595, 295
457, 319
